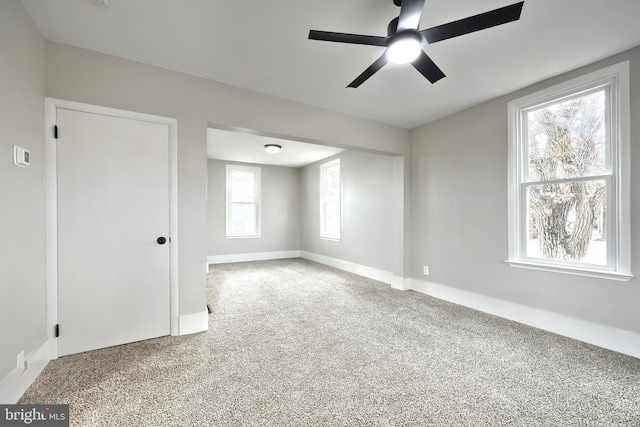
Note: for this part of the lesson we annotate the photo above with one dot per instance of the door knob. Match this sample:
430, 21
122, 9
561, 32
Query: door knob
161, 240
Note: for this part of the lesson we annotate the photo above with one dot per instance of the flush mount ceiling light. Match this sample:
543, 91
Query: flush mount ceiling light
272, 148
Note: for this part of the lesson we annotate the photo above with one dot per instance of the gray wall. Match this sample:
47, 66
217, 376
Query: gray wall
32, 68
280, 201
459, 214
22, 209
367, 210
79, 75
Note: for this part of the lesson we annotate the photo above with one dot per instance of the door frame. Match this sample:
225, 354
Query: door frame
51, 191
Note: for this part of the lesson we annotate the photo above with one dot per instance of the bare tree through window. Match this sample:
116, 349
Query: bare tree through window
567, 164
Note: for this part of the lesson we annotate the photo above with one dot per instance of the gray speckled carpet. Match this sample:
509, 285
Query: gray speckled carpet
295, 343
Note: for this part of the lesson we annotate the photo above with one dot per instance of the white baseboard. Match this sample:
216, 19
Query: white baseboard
620, 340
401, 284
15, 384
361, 270
254, 256
193, 323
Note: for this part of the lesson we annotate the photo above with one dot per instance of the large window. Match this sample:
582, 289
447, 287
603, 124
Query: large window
569, 177
330, 200
243, 201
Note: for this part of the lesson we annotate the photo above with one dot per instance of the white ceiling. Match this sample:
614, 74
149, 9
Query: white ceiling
263, 46
249, 148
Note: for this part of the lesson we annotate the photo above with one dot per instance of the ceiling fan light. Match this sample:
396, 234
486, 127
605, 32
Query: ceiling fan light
272, 148
404, 48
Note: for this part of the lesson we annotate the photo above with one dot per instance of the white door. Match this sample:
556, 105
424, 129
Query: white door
113, 206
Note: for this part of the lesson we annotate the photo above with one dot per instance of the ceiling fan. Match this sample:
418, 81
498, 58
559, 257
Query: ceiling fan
403, 38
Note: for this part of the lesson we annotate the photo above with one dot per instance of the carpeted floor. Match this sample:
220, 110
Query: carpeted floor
295, 343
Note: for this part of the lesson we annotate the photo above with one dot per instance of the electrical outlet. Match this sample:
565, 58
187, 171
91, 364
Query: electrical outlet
20, 361
425, 270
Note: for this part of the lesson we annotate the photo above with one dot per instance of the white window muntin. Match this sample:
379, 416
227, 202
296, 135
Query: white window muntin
614, 81
252, 201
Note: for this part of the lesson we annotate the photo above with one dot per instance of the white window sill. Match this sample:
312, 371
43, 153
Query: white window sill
332, 239
577, 271
245, 236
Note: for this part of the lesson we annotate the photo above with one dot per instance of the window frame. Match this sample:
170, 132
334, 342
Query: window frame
323, 203
616, 79
257, 189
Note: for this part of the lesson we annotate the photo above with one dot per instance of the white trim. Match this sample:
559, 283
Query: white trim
623, 159
616, 78
51, 205
620, 340
194, 323
361, 270
51, 105
401, 284
15, 384
173, 224
577, 271
254, 256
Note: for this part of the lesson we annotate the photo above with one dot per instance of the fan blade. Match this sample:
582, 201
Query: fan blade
328, 36
428, 68
373, 68
410, 13
473, 23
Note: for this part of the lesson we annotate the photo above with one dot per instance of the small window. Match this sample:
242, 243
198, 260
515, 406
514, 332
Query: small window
243, 201
569, 177
330, 200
